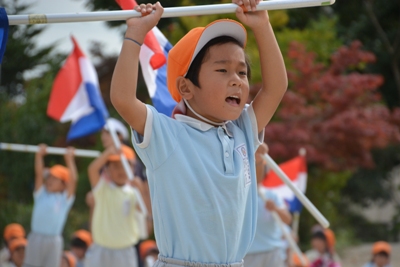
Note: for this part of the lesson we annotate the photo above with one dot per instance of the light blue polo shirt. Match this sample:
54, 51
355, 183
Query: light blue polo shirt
50, 211
202, 185
268, 234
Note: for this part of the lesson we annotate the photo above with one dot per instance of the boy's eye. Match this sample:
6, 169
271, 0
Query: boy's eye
243, 73
221, 70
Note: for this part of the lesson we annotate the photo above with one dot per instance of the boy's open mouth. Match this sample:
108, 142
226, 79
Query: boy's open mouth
233, 100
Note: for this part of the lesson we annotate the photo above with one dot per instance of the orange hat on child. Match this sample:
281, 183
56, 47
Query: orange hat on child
60, 172
13, 230
330, 238
297, 262
381, 246
180, 57
128, 152
147, 246
70, 258
84, 235
16, 243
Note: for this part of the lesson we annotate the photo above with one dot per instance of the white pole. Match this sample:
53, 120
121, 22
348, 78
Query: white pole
303, 199
49, 150
286, 233
168, 12
117, 144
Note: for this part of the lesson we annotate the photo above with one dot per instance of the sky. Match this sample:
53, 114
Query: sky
83, 32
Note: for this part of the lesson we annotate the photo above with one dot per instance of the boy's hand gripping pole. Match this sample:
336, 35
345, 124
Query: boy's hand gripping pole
285, 232
117, 145
303, 199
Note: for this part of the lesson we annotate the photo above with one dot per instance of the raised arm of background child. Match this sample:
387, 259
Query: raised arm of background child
273, 71
39, 166
283, 213
70, 162
124, 80
96, 165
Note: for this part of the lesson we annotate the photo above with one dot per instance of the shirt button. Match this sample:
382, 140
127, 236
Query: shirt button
226, 154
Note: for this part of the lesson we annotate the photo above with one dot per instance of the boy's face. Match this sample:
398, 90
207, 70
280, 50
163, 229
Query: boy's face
78, 252
318, 244
117, 172
54, 184
381, 260
18, 256
224, 87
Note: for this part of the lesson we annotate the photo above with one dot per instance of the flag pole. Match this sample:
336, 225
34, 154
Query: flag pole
169, 12
296, 214
303, 199
117, 145
49, 150
286, 233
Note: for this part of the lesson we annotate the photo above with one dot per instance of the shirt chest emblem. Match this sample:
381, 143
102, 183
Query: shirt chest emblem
242, 150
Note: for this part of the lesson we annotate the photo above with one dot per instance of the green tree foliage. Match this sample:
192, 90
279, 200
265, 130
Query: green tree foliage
22, 54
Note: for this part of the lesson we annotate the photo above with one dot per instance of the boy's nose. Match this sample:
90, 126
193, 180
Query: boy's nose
235, 80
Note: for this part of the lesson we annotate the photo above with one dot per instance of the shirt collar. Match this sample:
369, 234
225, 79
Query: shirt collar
200, 125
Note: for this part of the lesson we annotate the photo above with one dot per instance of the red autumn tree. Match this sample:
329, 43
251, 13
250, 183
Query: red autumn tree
333, 111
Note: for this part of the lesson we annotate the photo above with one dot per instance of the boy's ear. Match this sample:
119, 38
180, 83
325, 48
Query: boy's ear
185, 87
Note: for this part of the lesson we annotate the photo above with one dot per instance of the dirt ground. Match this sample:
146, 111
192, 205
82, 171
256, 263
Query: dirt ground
359, 255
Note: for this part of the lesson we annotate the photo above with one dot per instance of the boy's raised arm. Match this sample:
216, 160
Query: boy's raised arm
124, 81
96, 165
70, 162
39, 166
273, 71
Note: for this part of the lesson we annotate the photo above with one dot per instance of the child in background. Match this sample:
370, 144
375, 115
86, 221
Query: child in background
380, 255
324, 243
268, 248
200, 163
68, 259
114, 227
53, 198
11, 231
148, 252
80, 242
17, 252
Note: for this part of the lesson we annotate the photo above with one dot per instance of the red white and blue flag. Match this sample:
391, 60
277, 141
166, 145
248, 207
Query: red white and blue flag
153, 58
296, 170
75, 96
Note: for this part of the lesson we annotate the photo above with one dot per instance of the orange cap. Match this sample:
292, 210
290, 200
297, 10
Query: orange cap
330, 238
128, 152
146, 246
84, 235
70, 258
297, 262
13, 230
183, 53
16, 243
60, 172
381, 246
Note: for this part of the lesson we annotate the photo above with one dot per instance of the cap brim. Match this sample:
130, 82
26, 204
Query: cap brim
225, 27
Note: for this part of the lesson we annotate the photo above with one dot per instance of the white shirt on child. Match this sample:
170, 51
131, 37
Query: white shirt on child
268, 234
50, 211
202, 185
114, 222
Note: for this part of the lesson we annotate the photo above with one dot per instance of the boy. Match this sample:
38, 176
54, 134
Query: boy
381, 251
80, 242
53, 198
200, 165
268, 247
11, 231
114, 226
17, 252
